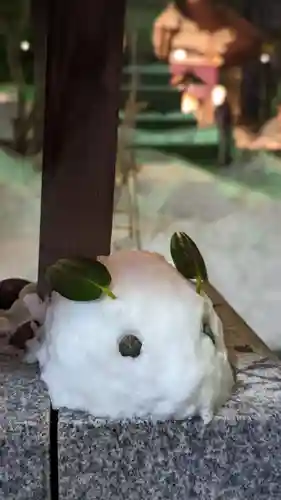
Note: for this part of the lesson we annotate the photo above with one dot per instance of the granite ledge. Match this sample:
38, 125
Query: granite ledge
237, 456
25, 413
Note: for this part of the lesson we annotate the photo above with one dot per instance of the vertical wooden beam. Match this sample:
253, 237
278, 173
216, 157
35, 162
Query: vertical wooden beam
84, 54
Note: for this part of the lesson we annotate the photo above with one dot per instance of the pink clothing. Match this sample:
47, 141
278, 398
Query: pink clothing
209, 74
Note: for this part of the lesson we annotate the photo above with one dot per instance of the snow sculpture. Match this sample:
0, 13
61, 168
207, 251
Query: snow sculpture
146, 354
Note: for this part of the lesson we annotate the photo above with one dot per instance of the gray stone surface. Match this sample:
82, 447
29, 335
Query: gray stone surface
24, 414
237, 456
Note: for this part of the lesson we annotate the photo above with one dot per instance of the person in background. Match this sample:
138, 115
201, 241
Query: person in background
266, 16
211, 19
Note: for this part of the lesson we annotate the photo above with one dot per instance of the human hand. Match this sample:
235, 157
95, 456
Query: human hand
164, 28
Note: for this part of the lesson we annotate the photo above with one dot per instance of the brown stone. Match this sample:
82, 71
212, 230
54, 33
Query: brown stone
10, 290
22, 335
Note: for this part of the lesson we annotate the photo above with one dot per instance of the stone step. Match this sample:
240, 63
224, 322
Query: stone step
24, 429
151, 74
153, 69
173, 137
199, 145
237, 456
162, 121
232, 458
161, 98
196, 145
192, 143
152, 88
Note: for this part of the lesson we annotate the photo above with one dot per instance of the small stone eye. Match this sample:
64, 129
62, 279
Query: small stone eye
130, 346
208, 331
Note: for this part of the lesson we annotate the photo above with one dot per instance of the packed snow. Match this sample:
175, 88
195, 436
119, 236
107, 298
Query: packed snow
235, 220
179, 372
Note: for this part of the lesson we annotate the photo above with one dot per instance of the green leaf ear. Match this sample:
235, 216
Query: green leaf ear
188, 259
79, 279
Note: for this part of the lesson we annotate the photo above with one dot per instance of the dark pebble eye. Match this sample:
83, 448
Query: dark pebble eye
130, 346
207, 330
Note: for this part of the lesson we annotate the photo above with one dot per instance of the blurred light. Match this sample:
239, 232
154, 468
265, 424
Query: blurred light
25, 45
188, 104
265, 58
179, 55
219, 93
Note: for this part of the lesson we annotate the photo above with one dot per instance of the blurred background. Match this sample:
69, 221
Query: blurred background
198, 146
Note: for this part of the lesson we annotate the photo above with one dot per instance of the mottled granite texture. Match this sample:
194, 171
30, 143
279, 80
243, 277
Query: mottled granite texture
237, 456
24, 414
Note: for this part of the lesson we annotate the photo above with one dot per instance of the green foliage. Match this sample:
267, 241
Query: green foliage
14, 14
79, 279
14, 27
188, 259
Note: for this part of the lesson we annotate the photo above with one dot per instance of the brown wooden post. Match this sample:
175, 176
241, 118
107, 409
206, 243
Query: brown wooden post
84, 55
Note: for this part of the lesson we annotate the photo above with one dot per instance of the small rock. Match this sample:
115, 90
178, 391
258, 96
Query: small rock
130, 346
10, 290
22, 335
